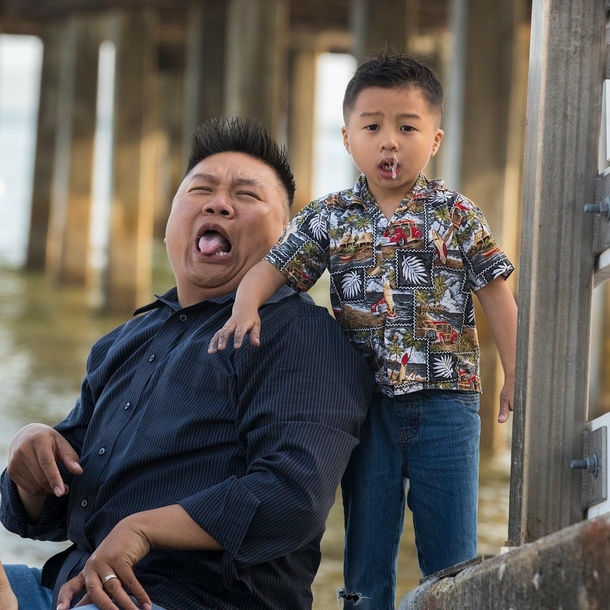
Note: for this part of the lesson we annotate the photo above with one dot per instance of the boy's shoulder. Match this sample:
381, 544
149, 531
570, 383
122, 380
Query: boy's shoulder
438, 195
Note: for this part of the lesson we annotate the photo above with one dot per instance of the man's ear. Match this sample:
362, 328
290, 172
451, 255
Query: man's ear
345, 139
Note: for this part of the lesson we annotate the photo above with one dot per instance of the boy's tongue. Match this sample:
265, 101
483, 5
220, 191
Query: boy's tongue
211, 242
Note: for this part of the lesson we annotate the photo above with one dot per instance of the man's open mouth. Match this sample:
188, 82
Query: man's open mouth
212, 243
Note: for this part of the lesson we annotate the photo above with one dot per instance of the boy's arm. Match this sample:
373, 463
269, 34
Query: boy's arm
257, 286
500, 310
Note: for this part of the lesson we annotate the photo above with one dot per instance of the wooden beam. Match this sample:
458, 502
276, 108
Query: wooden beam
256, 65
563, 120
128, 280
44, 161
483, 157
379, 24
301, 122
79, 96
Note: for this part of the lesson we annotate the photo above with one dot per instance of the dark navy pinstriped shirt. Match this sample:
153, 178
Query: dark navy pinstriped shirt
252, 443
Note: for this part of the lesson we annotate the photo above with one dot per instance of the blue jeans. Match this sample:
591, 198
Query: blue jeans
30, 593
429, 439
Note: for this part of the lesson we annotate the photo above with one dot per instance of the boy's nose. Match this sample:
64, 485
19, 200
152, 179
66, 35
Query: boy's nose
389, 143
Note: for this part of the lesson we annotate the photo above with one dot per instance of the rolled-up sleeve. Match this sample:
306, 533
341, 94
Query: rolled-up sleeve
302, 396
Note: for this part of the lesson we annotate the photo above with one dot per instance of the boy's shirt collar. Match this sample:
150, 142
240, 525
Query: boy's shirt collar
360, 193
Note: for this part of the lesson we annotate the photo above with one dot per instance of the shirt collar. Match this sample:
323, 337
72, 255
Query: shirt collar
361, 195
170, 298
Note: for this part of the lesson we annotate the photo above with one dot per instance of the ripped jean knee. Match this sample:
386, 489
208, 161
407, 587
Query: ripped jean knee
355, 598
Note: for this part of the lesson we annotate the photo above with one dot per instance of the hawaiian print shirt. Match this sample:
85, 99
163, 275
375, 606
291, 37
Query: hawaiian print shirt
400, 288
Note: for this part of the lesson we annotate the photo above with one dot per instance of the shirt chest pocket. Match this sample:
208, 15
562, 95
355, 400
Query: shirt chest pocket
190, 406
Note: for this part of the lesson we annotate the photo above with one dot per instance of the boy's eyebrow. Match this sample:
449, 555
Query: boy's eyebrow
406, 115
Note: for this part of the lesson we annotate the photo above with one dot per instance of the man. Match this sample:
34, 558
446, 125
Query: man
8, 601
187, 479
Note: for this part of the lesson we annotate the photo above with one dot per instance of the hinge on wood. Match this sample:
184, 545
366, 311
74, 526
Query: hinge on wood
595, 466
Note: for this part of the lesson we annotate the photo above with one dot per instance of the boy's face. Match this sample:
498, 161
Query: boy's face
397, 125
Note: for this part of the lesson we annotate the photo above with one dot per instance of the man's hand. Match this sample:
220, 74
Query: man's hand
507, 397
168, 527
124, 546
8, 601
33, 456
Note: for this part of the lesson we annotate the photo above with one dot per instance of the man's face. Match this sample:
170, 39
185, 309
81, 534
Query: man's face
228, 212
391, 125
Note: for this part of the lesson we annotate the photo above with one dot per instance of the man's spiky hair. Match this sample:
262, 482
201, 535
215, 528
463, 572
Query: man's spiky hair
246, 136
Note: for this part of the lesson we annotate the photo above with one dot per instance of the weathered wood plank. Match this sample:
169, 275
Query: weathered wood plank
564, 108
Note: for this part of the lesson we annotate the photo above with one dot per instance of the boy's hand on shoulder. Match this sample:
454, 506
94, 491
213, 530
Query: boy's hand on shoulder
242, 322
507, 397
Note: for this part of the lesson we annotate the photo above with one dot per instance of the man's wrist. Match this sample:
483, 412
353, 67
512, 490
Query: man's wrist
31, 504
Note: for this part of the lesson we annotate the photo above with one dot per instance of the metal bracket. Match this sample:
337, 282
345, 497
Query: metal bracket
603, 208
595, 466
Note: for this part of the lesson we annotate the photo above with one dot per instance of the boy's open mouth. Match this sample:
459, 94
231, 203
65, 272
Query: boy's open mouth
212, 243
389, 165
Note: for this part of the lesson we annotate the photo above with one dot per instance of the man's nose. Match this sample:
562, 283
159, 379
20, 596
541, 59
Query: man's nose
219, 204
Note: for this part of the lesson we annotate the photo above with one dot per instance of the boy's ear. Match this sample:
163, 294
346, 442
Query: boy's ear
438, 136
345, 139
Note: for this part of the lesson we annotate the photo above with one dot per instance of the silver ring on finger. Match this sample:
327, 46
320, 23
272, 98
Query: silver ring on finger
109, 577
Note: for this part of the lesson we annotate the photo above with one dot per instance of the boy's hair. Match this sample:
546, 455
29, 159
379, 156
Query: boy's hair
246, 136
390, 71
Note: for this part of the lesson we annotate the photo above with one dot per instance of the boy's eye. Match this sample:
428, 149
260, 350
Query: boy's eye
372, 127
407, 128
205, 189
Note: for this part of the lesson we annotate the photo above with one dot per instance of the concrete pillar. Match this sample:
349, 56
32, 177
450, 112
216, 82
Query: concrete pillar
454, 84
36, 256
378, 25
555, 285
128, 277
171, 164
483, 161
256, 62
204, 96
70, 228
301, 121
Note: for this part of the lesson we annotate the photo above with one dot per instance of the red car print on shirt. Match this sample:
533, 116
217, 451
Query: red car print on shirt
401, 233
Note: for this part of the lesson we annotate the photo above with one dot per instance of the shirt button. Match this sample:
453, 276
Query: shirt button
84, 503
102, 451
183, 317
151, 358
127, 405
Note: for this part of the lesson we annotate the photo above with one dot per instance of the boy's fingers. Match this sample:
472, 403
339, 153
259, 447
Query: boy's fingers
223, 335
503, 416
240, 332
213, 347
255, 334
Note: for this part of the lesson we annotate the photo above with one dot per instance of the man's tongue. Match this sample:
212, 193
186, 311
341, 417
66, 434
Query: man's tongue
212, 242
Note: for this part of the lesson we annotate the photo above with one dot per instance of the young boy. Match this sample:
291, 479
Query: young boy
404, 255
